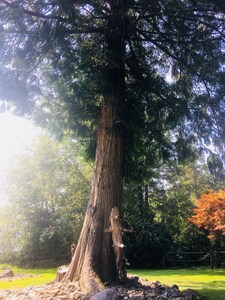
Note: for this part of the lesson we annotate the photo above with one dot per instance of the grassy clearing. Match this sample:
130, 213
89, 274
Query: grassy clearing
40, 276
209, 283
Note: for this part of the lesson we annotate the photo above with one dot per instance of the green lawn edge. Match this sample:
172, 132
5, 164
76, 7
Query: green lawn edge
38, 277
209, 283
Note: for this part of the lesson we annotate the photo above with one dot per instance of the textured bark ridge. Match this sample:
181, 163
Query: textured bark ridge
116, 229
93, 262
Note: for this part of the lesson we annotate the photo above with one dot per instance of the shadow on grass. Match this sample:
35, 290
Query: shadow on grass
211, 294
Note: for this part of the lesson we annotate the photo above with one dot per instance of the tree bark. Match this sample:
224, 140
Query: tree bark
116, 230
94, 261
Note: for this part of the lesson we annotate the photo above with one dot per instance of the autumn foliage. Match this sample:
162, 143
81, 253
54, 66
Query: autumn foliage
209, 213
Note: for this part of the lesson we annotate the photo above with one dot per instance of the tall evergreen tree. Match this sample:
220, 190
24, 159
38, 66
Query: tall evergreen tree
103, 67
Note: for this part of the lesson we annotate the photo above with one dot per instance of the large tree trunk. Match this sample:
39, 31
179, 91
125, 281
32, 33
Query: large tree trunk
94, 261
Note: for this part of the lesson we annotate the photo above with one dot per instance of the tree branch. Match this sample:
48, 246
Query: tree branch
78, 28
32, 13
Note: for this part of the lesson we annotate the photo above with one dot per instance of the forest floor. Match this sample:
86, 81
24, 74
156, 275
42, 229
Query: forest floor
134, 289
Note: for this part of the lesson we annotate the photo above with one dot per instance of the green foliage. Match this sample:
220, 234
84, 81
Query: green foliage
159, 212
54, 54
216, 168
47, 189
172, 195
149, 241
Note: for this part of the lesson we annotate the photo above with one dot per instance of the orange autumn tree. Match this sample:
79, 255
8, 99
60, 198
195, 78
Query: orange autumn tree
209, 213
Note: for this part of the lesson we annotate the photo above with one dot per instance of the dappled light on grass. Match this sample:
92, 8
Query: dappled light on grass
39, 277
209, 283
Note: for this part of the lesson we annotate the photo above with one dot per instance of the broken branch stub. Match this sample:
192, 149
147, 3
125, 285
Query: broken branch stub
116, 230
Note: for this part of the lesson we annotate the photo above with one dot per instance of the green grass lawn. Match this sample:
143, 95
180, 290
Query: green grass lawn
209, 283
41, 276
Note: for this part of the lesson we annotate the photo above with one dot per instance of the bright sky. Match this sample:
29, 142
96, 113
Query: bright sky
15, 134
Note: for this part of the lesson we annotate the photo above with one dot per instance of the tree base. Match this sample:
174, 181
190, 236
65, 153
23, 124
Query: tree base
133, 289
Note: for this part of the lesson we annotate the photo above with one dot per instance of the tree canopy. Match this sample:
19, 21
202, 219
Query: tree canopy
53, 54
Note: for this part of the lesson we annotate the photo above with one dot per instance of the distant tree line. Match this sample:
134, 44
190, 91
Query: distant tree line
42, 185
38, 225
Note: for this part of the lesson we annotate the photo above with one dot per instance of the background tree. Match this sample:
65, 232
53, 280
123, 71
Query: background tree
104, 66
209, 214
149, 241
158, 213
172, 198
10, 240
47, 198
173, 191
